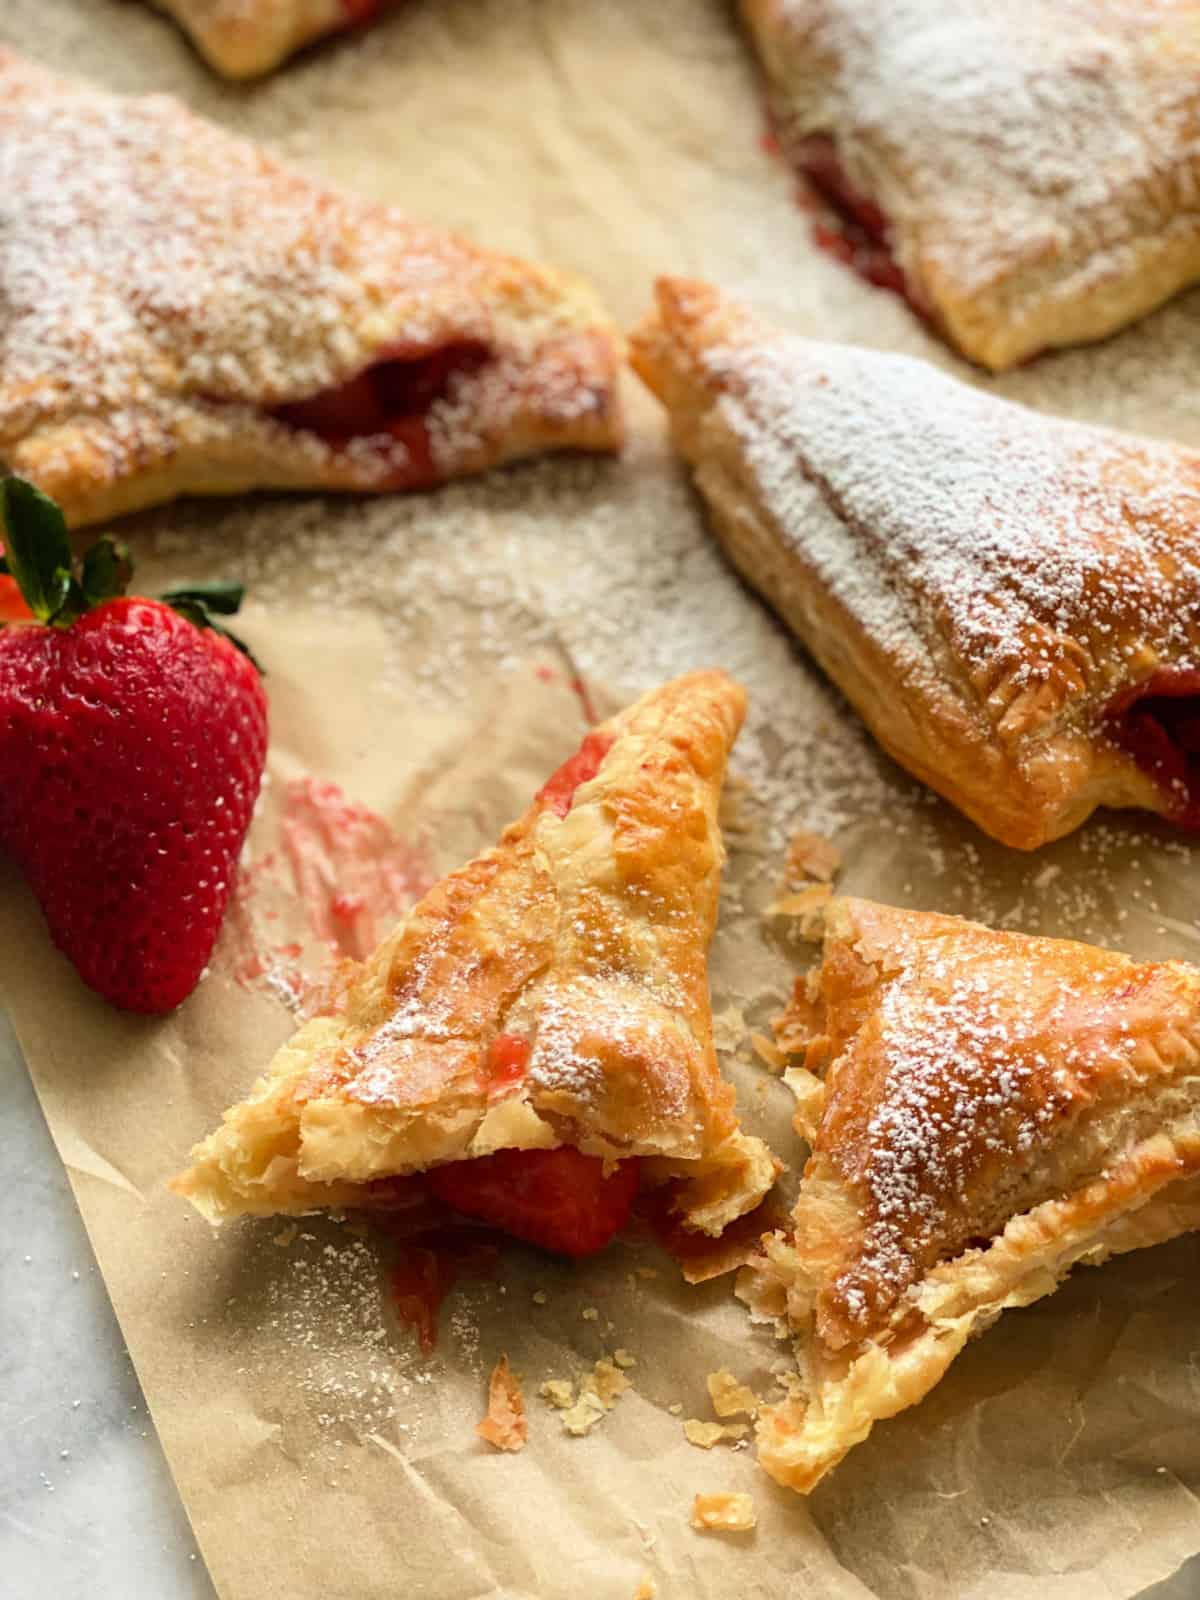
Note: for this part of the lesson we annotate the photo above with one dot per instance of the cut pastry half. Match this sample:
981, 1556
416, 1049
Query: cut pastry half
1025, 172
1011, 601
536, 1037
245, 38
180, 314
985, 1111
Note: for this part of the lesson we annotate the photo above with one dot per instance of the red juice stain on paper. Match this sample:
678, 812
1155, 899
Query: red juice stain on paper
349, 870
427, 1268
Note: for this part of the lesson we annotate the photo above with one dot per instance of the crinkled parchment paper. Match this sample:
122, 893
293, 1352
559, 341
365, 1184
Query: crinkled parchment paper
420, 655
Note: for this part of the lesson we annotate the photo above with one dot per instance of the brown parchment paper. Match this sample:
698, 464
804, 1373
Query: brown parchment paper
420, 654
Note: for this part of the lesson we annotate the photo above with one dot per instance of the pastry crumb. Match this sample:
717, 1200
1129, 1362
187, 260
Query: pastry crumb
583, 1416
676, 1408
771, 1056
703, 1434
809, 856
504, 1426
286, 1236
806, 906
646, 1272
590, 1314
647, 1589
723, 1513
707, 1434
558, 1392
599, 1391
729, 1027
607, 1382
540, 1297
729, 1397
624, 1358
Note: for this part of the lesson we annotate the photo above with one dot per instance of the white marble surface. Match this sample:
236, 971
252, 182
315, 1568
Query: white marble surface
87, 1505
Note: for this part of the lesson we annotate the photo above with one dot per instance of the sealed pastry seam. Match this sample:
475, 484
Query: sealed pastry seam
182, 314
996, 1109
1010, 601
553, 991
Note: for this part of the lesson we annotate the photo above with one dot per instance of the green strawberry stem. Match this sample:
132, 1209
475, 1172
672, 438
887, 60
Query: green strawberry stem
59, 589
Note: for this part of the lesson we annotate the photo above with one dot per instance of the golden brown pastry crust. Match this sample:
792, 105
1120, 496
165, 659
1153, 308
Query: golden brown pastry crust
165, 287
1037, 160
585, 935
245, 38
985, 1110
985, 584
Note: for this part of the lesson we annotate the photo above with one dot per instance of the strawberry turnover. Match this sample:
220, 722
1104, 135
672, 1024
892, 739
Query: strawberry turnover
532, 1046
132, 739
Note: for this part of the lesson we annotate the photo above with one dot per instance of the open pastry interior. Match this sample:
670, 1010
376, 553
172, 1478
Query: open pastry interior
985, 1110
1010, 601
1023, 174
550, 996
259, 330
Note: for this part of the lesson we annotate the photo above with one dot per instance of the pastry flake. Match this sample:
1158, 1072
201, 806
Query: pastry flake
1025, 173
505, 1426
245, 38
998, 1108
1011, 601
724, 1513
549, 996
181, 314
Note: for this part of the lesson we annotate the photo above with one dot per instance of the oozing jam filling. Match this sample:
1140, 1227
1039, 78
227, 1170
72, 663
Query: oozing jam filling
391, 399
1158, 724
862, 235
557, 793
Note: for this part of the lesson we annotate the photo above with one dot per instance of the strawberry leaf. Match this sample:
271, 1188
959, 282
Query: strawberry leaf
106, 572
223, 598
37, 551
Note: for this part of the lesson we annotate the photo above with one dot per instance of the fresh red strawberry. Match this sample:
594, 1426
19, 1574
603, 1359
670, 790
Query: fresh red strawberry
557, 1199
132, 741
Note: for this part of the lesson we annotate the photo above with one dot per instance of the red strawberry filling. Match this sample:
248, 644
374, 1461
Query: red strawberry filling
560, 1200
388, 402
558, 792
505, 1064
854, 229
1158, 724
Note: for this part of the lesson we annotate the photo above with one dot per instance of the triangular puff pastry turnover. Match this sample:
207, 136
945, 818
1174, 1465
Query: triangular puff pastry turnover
985, 1110
245, 38
1025, 172
1011, 601
181, 314
552, 992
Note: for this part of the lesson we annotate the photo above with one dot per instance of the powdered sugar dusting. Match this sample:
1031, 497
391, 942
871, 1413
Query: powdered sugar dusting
173, 283
997, 131
962, 530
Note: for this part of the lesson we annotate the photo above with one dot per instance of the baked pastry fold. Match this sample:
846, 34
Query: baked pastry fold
551, 992
985, 1110
1011, 601
245, 38
181, 314
1025, 172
